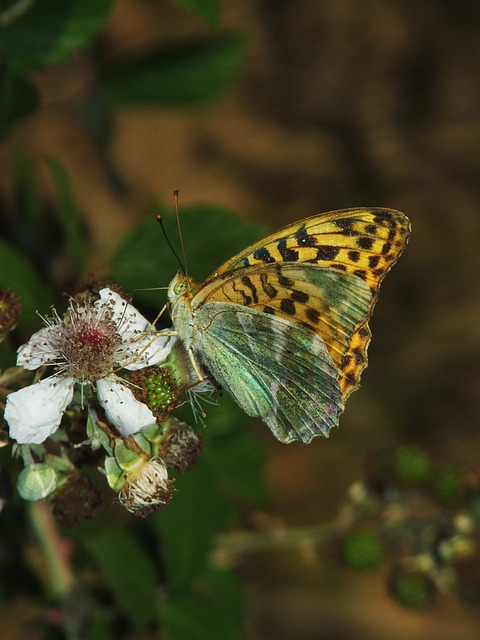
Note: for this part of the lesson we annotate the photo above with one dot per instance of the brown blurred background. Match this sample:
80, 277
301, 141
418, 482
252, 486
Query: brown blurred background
341, 103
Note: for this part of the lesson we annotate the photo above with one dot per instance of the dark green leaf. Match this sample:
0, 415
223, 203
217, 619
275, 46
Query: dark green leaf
129, 572
17, 99
189, 524
68, 215
98, 628
211, 235
213, 614
50, 30
208, 10
17, 273
28, 199
185, 76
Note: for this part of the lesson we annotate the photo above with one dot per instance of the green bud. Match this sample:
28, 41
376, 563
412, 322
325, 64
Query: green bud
362, 550
36, 481
412, 589
412, 465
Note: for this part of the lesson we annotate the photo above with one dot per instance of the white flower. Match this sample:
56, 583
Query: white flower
87, 346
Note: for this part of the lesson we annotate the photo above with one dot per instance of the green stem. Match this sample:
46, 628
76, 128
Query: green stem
233, 544
53, 550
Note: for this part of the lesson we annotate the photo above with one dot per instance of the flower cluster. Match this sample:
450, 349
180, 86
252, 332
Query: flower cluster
102, 359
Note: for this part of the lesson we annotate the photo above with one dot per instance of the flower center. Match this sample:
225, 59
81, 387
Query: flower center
88, 345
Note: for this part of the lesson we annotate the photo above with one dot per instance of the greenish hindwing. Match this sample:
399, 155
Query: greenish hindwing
275, 370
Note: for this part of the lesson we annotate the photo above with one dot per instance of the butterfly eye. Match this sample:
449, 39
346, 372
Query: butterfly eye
180, 288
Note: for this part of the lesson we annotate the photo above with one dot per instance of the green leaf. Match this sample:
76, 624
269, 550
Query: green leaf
17, 273
211, 235
184, 76
215, 613
188, 525
68, 215
50, 30
207, 10
129, 572
17, 99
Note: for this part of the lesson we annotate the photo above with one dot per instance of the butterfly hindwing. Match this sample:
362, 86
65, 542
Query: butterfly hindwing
275, 370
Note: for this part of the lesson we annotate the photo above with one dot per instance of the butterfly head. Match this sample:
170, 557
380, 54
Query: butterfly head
181, 287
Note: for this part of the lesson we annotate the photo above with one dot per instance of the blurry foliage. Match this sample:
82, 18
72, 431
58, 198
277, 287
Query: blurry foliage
42, 255
160, 573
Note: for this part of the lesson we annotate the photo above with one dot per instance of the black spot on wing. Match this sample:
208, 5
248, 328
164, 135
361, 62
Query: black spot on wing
304, 239
365, 242
289, 255
354, 256
282, 280
363, 332
299, 296
373, 261
313, 315
248, 283
287, 306
267, 286
268, 309
345, 226
361, 273
263, 254
247, 300
327, 252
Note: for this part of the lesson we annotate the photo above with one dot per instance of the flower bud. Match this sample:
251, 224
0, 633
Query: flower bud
36, 481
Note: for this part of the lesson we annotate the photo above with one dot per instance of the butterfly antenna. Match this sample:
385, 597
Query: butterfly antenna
160, 222
177, 215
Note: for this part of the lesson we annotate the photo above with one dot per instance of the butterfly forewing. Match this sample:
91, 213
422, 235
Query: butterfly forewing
280, 275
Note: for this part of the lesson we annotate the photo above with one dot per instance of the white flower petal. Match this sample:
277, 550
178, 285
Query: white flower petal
122, 409
34, 413
151, 350
42, 348
129, 320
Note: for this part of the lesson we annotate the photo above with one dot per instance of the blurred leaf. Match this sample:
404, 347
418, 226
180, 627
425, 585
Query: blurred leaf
17, 273
208, 10
50, 30
213, 614
68, 215
189, 524
239, 464
128, 570
183, 76
211, 234
98, 628
28, 199
17, 98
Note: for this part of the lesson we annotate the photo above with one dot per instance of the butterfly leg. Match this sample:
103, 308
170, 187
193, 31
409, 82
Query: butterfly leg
195, 366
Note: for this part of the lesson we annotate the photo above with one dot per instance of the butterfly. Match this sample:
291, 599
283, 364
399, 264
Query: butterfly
283, 325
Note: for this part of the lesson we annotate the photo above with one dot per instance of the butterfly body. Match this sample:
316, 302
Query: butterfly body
283, 324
